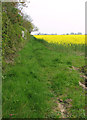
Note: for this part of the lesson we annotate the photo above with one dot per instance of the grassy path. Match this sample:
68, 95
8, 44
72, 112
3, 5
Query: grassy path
41, 77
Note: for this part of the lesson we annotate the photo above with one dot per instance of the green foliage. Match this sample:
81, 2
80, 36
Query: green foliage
12, 26
11, 34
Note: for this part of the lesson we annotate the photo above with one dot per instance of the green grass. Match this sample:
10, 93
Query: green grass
41, 73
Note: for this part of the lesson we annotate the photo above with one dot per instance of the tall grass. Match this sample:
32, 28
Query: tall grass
40, 72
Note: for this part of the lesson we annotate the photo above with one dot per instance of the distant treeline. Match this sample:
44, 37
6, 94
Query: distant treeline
79, 33
13, 23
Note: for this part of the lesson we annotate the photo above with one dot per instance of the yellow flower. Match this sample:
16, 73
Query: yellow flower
63, 39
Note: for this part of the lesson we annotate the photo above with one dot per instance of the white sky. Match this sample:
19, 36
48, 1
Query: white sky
57, 16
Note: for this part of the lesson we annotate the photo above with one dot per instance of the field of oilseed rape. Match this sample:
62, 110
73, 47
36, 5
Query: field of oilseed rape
63, 39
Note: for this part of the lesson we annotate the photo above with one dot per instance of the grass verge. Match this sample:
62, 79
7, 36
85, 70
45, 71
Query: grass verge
41, 73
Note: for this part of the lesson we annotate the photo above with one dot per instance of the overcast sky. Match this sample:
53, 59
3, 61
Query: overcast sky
57, 16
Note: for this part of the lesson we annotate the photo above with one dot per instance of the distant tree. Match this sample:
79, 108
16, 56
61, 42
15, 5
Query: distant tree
72, 33
39, 33
79, 33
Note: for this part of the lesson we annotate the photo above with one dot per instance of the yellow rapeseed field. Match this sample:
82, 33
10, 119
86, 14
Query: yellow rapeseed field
63, 39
